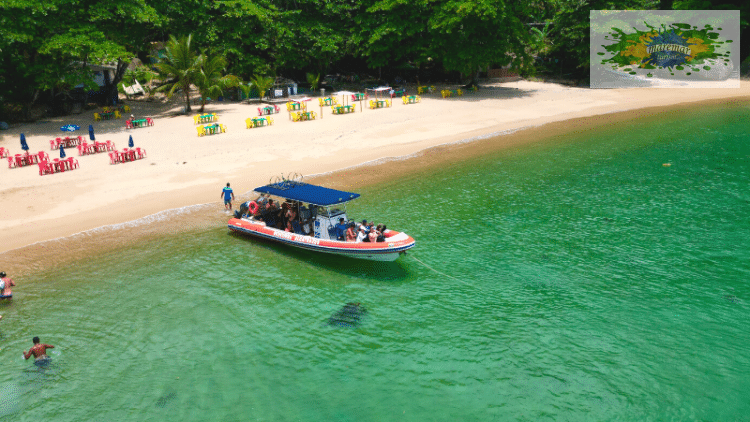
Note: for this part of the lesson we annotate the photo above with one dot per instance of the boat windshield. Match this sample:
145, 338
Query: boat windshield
332, 211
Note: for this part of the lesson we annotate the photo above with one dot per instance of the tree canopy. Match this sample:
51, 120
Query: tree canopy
46, 47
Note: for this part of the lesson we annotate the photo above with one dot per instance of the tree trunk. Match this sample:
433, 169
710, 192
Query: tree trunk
187, 99
111, 88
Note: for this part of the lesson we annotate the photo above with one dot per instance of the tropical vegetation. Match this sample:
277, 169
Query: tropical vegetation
47, 48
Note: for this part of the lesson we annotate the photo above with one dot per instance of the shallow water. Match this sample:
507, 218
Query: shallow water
577, 280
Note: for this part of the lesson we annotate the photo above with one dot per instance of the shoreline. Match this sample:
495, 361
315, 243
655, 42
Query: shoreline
361, 168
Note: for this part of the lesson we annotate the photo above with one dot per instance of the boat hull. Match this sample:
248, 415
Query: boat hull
396, 243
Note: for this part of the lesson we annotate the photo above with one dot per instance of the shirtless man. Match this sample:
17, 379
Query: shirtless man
39, 350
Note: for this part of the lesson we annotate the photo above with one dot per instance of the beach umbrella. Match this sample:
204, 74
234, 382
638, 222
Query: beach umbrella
24, 145
91, 132
130, 142
62, 152
69, 128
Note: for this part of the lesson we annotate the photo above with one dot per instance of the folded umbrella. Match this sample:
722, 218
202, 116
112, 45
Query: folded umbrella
24, 145
130, 142
91, 132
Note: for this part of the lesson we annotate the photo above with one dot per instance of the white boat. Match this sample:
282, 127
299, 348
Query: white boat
325, 207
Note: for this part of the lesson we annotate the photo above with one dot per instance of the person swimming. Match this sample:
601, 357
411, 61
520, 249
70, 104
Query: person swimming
39, 350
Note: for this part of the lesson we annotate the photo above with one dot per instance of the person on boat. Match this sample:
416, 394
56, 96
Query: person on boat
351, 235
361, 234
373, 236
381, 233
291, 214
228, 195
39, 350
341, 229
289, 227
268, 214
5, 286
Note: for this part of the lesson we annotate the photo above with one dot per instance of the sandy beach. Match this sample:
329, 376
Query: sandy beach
184, 170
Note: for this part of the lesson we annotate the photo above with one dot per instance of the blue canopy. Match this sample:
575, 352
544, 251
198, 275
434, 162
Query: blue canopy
304, 192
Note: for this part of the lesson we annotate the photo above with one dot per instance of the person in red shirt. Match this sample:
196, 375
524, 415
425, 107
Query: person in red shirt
6, 282
39, 350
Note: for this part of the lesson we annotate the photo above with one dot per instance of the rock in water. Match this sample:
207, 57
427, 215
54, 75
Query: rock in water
348, 316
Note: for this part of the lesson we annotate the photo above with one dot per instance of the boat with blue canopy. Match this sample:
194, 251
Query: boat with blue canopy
315, 218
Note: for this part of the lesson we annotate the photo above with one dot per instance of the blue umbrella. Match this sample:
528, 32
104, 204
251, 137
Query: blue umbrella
91, 132
130, 142
69, 128
62, 152
24, 146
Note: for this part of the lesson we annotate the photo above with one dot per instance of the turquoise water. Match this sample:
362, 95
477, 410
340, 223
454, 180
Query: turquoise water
577, 280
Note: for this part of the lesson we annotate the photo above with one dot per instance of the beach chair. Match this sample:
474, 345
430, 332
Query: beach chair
141, 153
275, 107
125, 107
312, 115
405, 100
249, 123
117, 114
72, 163
373, 105
270, 121
334, 110
45, 167
97, 117
3, 152
12, 162
223, 128
322, 102
354, 107
196, 119
387, 103
149, 121
201, 131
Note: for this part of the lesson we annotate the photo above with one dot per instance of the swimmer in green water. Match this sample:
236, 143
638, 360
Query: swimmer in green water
39, 350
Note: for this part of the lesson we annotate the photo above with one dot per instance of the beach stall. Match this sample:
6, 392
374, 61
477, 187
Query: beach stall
345, 106
380, 101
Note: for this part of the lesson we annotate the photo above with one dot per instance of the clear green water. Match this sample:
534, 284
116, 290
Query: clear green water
587, 282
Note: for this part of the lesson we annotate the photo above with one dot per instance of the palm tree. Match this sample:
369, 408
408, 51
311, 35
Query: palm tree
210, 79
180, 64
262, 84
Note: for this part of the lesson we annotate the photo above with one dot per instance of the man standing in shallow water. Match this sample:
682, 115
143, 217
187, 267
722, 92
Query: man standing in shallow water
39, 350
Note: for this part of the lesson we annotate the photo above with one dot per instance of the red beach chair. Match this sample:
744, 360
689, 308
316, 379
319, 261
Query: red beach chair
72, 163
149, 121
12, 162
3, 152
45, 167
114, 158
141, 153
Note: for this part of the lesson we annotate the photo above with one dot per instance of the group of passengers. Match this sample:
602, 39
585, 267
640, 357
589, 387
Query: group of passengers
294, 217
364, 232
291, 216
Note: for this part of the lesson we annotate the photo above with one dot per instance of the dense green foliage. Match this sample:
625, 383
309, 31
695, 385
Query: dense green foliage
45, 47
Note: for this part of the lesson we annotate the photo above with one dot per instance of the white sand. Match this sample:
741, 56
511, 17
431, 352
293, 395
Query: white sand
183, 169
